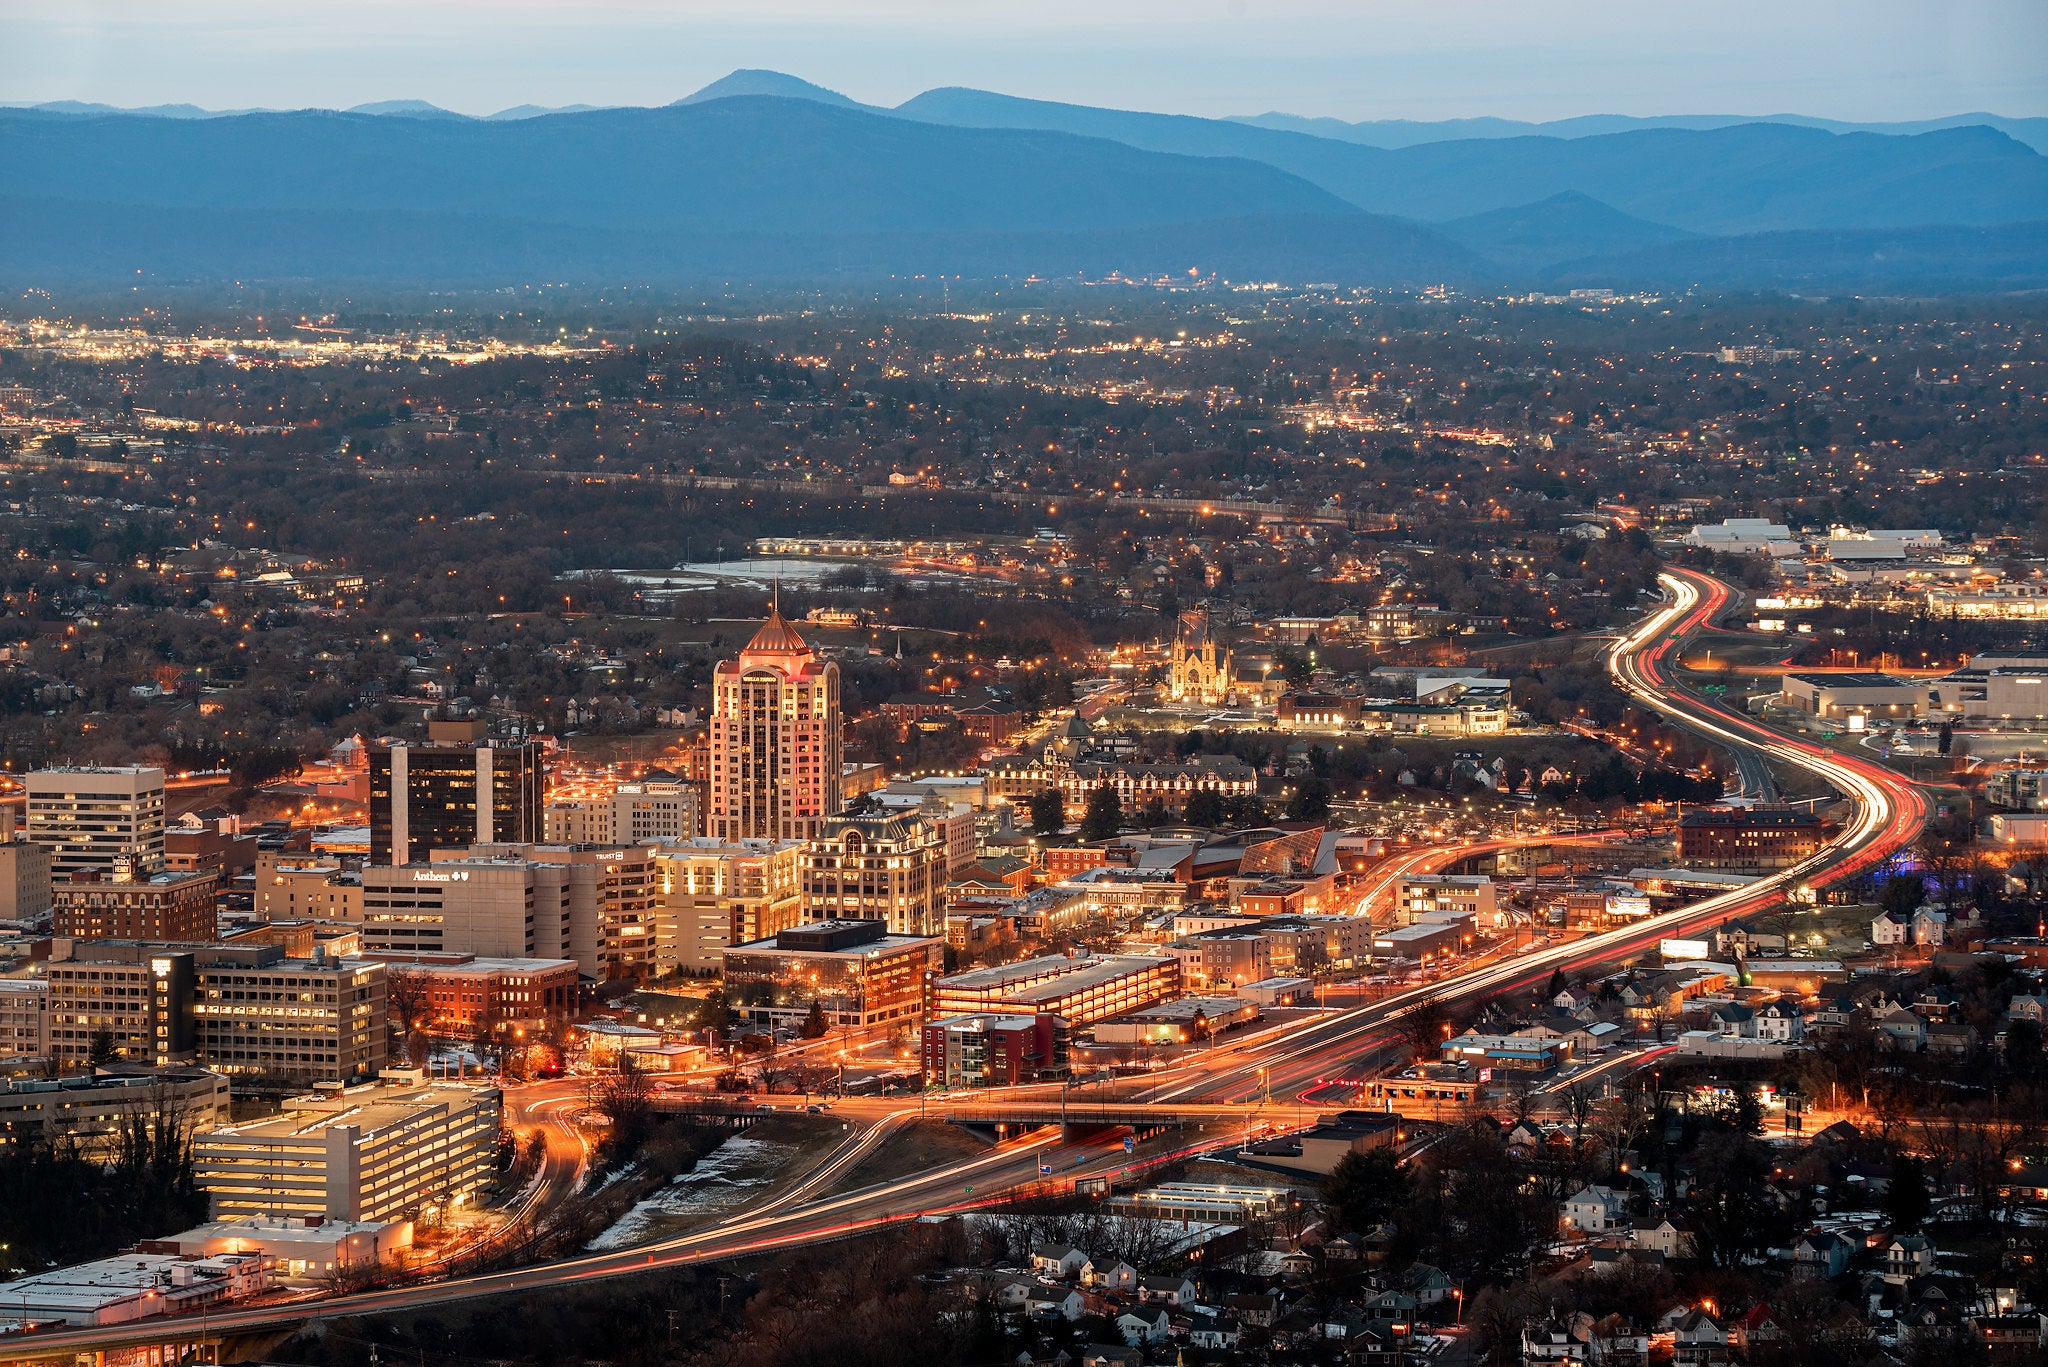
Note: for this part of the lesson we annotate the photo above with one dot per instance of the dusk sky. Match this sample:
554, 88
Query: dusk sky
1422, 59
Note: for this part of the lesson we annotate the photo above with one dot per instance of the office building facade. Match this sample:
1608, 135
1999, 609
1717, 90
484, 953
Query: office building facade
891, 869
775, 742
457, 790
855, 971
712, 894
106, 821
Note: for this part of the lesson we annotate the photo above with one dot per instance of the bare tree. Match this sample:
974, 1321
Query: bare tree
408, 1004
625, 1099
1425, 1026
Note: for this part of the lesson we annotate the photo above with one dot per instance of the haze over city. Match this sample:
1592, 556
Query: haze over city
1128, 685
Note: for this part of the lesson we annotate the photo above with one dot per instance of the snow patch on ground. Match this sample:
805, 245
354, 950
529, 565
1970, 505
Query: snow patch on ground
728, 1176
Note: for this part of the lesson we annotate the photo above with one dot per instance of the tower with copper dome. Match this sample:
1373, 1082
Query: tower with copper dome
775, 738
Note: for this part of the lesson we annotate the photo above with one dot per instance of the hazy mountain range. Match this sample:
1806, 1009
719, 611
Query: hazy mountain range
762, 175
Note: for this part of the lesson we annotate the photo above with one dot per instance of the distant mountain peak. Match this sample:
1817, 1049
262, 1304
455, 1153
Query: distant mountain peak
754, 81
405, 109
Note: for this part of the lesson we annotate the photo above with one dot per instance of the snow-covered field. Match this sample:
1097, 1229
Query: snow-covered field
728, 1176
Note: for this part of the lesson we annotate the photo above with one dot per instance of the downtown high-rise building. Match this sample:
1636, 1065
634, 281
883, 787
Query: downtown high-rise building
775, 739
104, 822
457, 790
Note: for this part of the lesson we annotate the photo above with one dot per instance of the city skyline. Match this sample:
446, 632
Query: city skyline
1821, 58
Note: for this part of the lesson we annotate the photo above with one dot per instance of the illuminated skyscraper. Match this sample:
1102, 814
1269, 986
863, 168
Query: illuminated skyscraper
775, 738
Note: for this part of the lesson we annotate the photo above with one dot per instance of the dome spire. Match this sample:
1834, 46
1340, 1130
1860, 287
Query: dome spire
776, 636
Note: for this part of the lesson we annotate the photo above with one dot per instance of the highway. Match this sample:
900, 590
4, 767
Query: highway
1277, 1062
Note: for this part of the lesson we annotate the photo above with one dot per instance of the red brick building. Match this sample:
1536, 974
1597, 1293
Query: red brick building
1748, 840
462, 989
994, 1050
176, 906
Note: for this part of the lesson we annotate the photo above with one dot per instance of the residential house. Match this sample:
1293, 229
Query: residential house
1166, 1290
1617, 1342
1429, 1285
2011, 1338
1903, 1029
1908, 1256
1105, 1355
1556, 1340
1392, 1307
1757, 1334
1698, 1340
1734, 1021
1110, 1274
1057, 1260
1207, 1329
1596, 1209
1780, 1023
1144, 1325
1259, 1310
1821, 1254
2028, 1008
1661, 1234
1953, 1037
1050, 1300
1010, 1291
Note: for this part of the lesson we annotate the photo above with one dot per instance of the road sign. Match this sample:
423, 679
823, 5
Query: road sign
1130, 1143
1045, 1169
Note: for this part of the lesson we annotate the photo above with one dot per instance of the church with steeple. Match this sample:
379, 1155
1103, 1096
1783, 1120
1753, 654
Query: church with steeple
776, 738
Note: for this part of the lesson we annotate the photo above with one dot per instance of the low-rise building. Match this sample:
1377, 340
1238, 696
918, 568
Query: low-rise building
302, 1251
306, 887
992, 1050
134, 1286
460, 991
1080, 990
856, 972
1417, 896
161, 906
1748, 839
381, 1152
1838, 697
88, 1110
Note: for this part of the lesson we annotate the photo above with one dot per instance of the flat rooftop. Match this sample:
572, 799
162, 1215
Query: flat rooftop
306, 1119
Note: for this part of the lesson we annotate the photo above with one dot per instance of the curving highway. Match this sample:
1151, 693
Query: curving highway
1277, 1062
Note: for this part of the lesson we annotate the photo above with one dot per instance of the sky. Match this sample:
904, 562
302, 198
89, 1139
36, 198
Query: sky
1865, 60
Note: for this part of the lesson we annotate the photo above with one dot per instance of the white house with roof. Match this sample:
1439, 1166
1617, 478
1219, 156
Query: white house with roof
1780, 1022
1595, 1209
